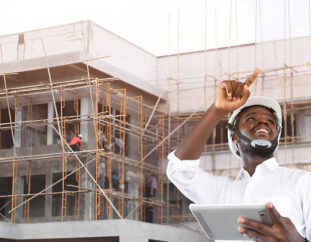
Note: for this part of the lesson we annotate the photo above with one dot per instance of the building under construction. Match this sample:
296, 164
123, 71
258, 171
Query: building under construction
132, 108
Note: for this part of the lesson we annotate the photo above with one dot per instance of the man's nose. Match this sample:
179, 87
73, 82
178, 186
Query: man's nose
262, 120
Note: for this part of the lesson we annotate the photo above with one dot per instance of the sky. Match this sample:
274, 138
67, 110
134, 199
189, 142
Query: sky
167, 26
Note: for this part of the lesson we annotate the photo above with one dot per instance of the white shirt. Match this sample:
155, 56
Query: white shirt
288, 189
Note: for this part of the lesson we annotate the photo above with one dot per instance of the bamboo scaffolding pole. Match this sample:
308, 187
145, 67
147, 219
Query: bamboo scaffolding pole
141, 153
153, 111
28, 177
97, 194
122, 149
108, 135
177, 62
284, 86
28, 183
64, 158
291, 89
78, 173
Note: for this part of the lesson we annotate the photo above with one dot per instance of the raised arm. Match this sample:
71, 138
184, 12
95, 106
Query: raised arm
230, 95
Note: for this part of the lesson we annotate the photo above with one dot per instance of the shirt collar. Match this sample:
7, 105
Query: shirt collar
271, 164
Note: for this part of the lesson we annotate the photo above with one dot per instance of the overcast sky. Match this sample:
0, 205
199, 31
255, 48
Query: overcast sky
167, 26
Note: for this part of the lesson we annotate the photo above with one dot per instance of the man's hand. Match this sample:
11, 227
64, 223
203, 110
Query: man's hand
282, 230
232, 94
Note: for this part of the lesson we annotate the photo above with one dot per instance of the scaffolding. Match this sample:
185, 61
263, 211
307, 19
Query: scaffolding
155, 132
112, 110
130, 137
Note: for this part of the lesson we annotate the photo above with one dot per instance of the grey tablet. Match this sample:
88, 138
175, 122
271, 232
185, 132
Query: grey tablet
219, 221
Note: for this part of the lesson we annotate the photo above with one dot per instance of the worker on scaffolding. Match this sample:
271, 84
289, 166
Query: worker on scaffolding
254, 132
76, 143
102, 171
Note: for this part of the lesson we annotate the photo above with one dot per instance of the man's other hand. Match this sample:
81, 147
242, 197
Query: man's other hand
231, 95
283, 228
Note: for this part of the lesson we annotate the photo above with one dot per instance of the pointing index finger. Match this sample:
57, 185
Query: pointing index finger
249, 81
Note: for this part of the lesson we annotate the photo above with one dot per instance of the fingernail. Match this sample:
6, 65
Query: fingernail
270, 205
241, 229
241, 220
246, 236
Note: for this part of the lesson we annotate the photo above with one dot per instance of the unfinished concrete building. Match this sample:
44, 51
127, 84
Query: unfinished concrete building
132, 108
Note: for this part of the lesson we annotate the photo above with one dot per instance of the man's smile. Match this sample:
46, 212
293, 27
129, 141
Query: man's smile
263, 131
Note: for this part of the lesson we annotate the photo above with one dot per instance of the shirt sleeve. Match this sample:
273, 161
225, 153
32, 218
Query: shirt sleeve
196, 184
305, 193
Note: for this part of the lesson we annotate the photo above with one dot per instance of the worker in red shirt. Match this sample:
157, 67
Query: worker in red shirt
75, 143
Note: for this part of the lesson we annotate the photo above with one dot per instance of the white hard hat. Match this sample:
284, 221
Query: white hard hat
267, 102
80, 135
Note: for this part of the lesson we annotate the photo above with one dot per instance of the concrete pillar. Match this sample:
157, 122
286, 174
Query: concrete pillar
86, 124
18, 129
19, 189
133, 189
48, 199
88, 142
88, 199
50, 120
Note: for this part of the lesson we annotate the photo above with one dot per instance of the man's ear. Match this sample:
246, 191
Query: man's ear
235, 139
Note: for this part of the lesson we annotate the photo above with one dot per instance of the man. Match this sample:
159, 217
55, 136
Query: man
254, 132
75, 143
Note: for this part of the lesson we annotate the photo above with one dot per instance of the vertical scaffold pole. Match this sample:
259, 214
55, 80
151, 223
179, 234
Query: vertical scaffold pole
162, 165
14, 177
28, 177
28, 183
78, 172
64, 157
97, 193
108, 144
122, 122
141, 152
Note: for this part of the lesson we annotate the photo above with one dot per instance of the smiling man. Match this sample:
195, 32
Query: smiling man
253, 132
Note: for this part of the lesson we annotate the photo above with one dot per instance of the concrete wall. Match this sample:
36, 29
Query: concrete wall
121, 54
127, 230
64, 40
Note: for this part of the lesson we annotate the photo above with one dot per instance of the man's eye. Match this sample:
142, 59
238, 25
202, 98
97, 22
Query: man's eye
272, 122
251, 119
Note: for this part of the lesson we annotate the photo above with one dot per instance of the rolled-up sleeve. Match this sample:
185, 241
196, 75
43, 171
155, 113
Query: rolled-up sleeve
196, 184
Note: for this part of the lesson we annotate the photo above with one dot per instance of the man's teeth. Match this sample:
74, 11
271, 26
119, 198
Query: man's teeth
262, 130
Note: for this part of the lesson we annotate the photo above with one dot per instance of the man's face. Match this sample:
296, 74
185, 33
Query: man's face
258, 123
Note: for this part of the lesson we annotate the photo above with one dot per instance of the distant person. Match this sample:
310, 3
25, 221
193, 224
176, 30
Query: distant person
152, 185
101, 177
101, 139
118, 143
75, 143
115, 180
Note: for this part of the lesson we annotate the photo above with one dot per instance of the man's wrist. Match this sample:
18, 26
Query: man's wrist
218, 112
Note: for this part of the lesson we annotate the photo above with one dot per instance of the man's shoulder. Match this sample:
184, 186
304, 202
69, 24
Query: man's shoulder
299, 174
294, 170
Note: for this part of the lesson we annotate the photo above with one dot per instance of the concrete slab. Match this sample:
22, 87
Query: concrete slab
127, 230
8, 230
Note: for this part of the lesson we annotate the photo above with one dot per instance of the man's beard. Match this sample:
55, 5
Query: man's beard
246, 147
264, 152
